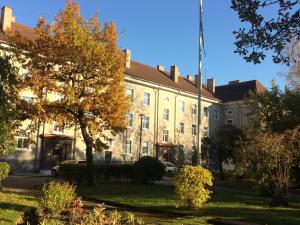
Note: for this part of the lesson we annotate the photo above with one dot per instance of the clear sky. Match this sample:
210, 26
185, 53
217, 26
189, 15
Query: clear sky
165, 32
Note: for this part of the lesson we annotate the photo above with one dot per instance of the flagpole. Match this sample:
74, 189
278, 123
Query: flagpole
199, 81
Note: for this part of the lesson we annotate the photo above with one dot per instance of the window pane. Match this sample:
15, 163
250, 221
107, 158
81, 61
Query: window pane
146, 99
181, 128
205, 109
145, 149
166, 114
146, 121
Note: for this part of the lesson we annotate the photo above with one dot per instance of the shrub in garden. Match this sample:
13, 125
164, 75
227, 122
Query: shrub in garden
191, 186
73, 173
99, 216
57, 197
148, 169
4, 170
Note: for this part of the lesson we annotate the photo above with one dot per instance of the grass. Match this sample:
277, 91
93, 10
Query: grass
227, 202
13, 206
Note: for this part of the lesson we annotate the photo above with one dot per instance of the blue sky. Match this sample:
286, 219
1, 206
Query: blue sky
165, 32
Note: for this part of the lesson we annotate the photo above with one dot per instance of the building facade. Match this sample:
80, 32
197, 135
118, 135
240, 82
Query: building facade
162, 120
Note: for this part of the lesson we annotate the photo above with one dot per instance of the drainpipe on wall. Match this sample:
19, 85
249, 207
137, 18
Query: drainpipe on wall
175, 116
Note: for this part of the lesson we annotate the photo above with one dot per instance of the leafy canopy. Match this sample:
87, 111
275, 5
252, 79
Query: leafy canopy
75, 71
9, 104
264, 32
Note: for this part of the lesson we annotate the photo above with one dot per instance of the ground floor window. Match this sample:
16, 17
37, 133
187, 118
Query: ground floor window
108, 156
145, 149
127, 146
205, 133
22, 141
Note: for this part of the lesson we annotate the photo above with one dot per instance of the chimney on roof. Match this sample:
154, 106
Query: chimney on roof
233, 82
174, 70
6, 18
160, 68
211, 85
196, 81
128, 57
190, 78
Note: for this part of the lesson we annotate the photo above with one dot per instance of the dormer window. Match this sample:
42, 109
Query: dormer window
229, 112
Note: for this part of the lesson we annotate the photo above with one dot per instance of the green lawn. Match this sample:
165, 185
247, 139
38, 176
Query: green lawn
12, 206
231, 203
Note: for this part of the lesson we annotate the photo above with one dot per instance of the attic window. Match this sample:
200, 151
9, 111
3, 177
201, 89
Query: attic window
229, 112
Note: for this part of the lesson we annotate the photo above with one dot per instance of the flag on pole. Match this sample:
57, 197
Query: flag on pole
199, 81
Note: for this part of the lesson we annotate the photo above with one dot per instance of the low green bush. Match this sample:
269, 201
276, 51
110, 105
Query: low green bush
74, 173
4, 170
57, 197
100, 216
148, 169
119, 173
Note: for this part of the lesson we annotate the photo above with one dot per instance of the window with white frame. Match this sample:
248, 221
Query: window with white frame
22, 141
205, 110
166, 114
27, 98
145, 149
146, 101
216, 114
146, 122
181, 128
129, 119
229, 112
194, 129
194, 109
229, 122
130, 93
58, 128
205, 131
165, 135
127, 146
181, 106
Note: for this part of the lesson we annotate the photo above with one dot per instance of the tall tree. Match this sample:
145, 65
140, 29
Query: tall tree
272, 142
293, 76
264, 32
275, 110
9, 101
78, 61
220, 148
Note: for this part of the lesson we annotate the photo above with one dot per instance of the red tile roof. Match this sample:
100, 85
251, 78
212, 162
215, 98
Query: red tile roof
238, 91
25, 31
151, 74
141, 71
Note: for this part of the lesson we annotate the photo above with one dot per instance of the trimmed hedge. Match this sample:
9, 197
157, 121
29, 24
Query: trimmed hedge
103, 172
146, 169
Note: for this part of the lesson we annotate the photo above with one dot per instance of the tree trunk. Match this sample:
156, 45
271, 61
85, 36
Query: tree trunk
89, 152
220, 165
280, 198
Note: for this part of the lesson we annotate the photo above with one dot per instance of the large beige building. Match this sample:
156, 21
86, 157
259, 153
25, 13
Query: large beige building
162, 120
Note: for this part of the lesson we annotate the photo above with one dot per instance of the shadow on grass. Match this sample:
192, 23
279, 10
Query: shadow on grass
229, 204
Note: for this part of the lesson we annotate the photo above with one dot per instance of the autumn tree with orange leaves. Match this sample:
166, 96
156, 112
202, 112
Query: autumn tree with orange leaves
79, 61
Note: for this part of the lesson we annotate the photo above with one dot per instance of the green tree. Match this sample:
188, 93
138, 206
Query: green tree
272, 155
264, 32
275, 110
271, 145
79, 61
9, 102
220, 148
